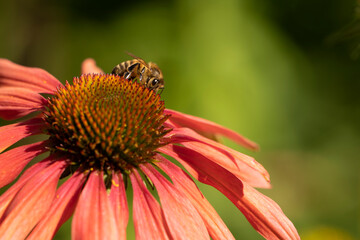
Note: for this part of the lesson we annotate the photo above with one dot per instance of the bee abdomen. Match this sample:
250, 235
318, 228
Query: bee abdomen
121, 68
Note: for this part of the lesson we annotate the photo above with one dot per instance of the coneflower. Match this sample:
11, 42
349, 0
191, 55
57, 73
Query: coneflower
106, 133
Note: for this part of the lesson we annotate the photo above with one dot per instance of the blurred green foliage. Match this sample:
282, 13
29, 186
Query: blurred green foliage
259, 67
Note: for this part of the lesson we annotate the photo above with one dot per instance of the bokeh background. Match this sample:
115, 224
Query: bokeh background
276, 71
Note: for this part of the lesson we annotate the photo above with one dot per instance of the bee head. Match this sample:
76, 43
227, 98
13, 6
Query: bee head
155, 81
155, 84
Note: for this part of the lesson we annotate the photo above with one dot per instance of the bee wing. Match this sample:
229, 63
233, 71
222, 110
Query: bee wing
139, 59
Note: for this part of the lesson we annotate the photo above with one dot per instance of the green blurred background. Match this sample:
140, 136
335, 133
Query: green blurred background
263, 68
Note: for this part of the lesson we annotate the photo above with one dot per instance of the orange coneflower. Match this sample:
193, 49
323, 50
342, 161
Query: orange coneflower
104, 132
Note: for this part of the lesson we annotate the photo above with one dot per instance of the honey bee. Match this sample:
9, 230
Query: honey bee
148, 74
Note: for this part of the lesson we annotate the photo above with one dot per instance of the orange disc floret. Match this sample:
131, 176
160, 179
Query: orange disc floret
106, 122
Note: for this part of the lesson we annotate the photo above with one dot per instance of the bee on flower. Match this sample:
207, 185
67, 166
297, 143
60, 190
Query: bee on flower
103, 134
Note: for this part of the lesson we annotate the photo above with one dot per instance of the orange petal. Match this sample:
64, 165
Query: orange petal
262, 212
12, 162
9, 195
119, 204
205, 126
89, 66
149, 221
31, 202
12, 133
35, 79
183, 220
214, 224
61, 209
16, 102
241, 165
94, 218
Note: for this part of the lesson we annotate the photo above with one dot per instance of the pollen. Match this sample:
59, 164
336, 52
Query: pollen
106, 122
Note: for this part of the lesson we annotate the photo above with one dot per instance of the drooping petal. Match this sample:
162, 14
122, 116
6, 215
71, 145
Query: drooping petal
9, 195
94, 218
262, 212
12, 162
205, 126
16, 102
61, 209
119, 204
12, 133
35, 79
149, 221
89, 66
214, 224
31, 202
241, 165
182, 218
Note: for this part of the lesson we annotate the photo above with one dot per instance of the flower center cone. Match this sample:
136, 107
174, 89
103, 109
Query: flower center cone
106, 122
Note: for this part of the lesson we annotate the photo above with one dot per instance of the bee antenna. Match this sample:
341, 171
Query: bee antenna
130, 54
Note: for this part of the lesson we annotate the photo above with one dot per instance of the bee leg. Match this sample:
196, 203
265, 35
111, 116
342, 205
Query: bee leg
127, 75
130, 70
141, 74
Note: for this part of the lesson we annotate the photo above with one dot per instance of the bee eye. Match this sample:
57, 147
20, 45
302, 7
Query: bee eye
155, 82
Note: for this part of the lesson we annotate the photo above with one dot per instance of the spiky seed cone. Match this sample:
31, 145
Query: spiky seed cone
106, 122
